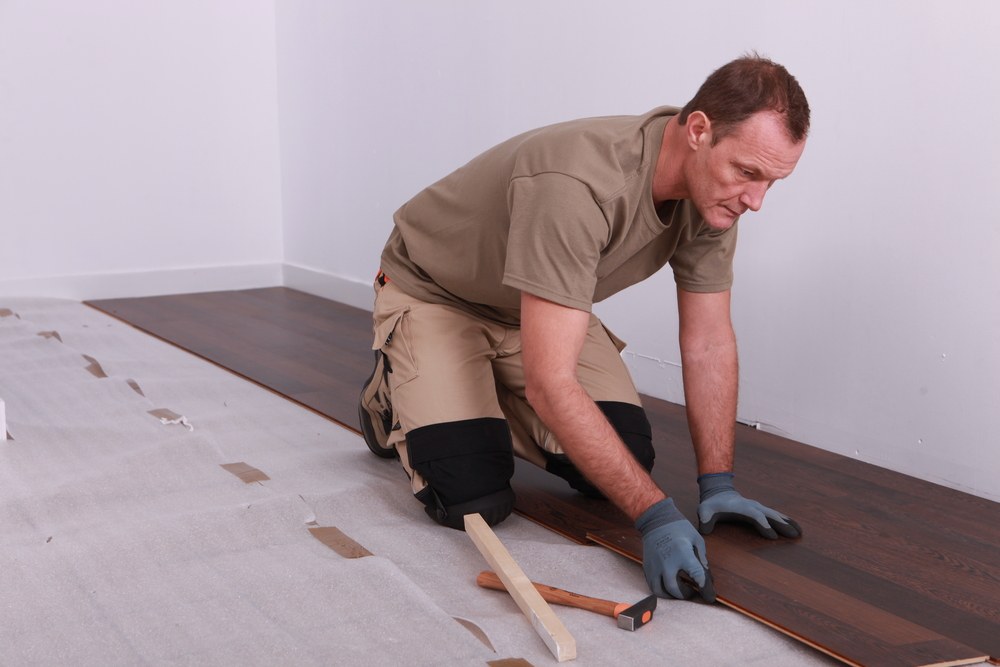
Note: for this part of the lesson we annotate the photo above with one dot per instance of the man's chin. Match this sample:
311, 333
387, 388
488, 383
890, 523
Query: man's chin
721, 222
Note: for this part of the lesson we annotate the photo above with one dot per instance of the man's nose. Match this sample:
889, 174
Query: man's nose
753, 195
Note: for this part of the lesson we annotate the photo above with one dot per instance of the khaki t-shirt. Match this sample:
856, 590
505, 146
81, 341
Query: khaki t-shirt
564, 212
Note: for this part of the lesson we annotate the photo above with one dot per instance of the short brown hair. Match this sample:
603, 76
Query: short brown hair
747, 85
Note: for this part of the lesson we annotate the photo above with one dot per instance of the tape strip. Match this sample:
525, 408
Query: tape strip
135, 386
95, 367
167, 417
50, 335
246, 472
510, 662
7, 312
342, 544
476, 631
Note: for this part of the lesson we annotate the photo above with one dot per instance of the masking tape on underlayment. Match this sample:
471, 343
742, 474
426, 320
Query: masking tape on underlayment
246, 472
167, 416
49, 335
336, 540
95, 367
476, 631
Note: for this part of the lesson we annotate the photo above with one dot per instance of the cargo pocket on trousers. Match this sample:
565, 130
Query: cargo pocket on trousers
391, 338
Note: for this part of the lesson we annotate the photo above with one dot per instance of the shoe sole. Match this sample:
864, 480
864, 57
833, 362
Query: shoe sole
368, 429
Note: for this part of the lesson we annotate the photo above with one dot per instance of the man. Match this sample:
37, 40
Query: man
485, 344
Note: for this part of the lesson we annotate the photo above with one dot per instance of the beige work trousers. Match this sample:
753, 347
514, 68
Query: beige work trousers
449, 365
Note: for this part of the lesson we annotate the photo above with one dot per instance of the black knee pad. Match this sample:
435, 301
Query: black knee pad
559, 464
632, 426
467, 465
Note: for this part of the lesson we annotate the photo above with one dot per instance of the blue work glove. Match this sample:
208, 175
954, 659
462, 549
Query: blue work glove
720, 501
673, 554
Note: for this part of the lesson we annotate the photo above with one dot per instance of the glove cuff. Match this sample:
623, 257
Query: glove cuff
657, 515
714, 483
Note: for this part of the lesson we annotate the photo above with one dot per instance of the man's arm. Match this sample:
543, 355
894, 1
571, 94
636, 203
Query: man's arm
552, 337
710, 367
711, 380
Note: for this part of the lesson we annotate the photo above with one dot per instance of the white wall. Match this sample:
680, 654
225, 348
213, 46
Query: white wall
138, 146
867, 298
380, 98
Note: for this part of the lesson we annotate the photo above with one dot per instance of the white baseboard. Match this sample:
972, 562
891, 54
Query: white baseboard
145, 283
82, 287
353, 292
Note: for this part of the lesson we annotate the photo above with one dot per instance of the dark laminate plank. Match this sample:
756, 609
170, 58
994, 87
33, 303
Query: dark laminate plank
904, 597
852, 628
908, 546
287, 341
890, 549
891, 570
785, 602
547, 500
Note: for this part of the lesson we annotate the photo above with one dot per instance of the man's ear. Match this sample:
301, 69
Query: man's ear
699, 130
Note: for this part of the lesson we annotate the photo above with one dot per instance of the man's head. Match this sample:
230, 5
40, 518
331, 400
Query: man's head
748, 85
744, 129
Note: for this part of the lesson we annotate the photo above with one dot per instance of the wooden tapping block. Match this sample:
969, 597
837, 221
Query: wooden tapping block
539, 613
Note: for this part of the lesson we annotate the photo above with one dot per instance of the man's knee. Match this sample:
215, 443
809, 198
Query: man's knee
467, 466
632, 426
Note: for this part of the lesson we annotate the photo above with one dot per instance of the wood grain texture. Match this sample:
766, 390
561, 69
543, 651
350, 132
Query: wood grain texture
891, 570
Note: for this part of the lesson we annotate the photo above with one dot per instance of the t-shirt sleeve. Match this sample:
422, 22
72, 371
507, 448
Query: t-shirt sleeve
557, 232
704, 263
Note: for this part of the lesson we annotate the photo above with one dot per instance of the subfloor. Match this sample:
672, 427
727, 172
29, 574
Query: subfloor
126, 542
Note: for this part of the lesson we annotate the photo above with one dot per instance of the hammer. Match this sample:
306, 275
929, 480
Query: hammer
629, 617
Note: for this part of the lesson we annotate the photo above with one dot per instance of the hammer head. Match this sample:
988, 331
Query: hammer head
638, 614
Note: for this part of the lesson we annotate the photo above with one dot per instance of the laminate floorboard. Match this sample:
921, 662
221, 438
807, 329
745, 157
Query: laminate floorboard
311, 350
891, 570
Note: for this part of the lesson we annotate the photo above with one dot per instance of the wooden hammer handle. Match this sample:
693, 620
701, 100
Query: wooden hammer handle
488, 579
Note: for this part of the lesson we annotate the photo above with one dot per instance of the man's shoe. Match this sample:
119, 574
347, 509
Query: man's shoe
375, 409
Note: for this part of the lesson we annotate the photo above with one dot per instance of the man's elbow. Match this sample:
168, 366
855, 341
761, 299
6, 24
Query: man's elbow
707, 344
534, 394
542, 393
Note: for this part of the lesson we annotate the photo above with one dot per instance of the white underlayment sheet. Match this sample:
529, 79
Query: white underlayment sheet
124, 541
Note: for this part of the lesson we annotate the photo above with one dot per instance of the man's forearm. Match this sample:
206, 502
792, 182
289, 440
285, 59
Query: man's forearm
711, 381
595, 448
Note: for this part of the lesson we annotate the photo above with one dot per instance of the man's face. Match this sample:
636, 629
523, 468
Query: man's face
727, 179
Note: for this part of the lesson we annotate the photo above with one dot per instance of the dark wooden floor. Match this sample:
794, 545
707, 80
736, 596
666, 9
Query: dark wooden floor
891, 570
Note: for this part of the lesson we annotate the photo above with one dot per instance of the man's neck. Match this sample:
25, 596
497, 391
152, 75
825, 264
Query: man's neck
668, 176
